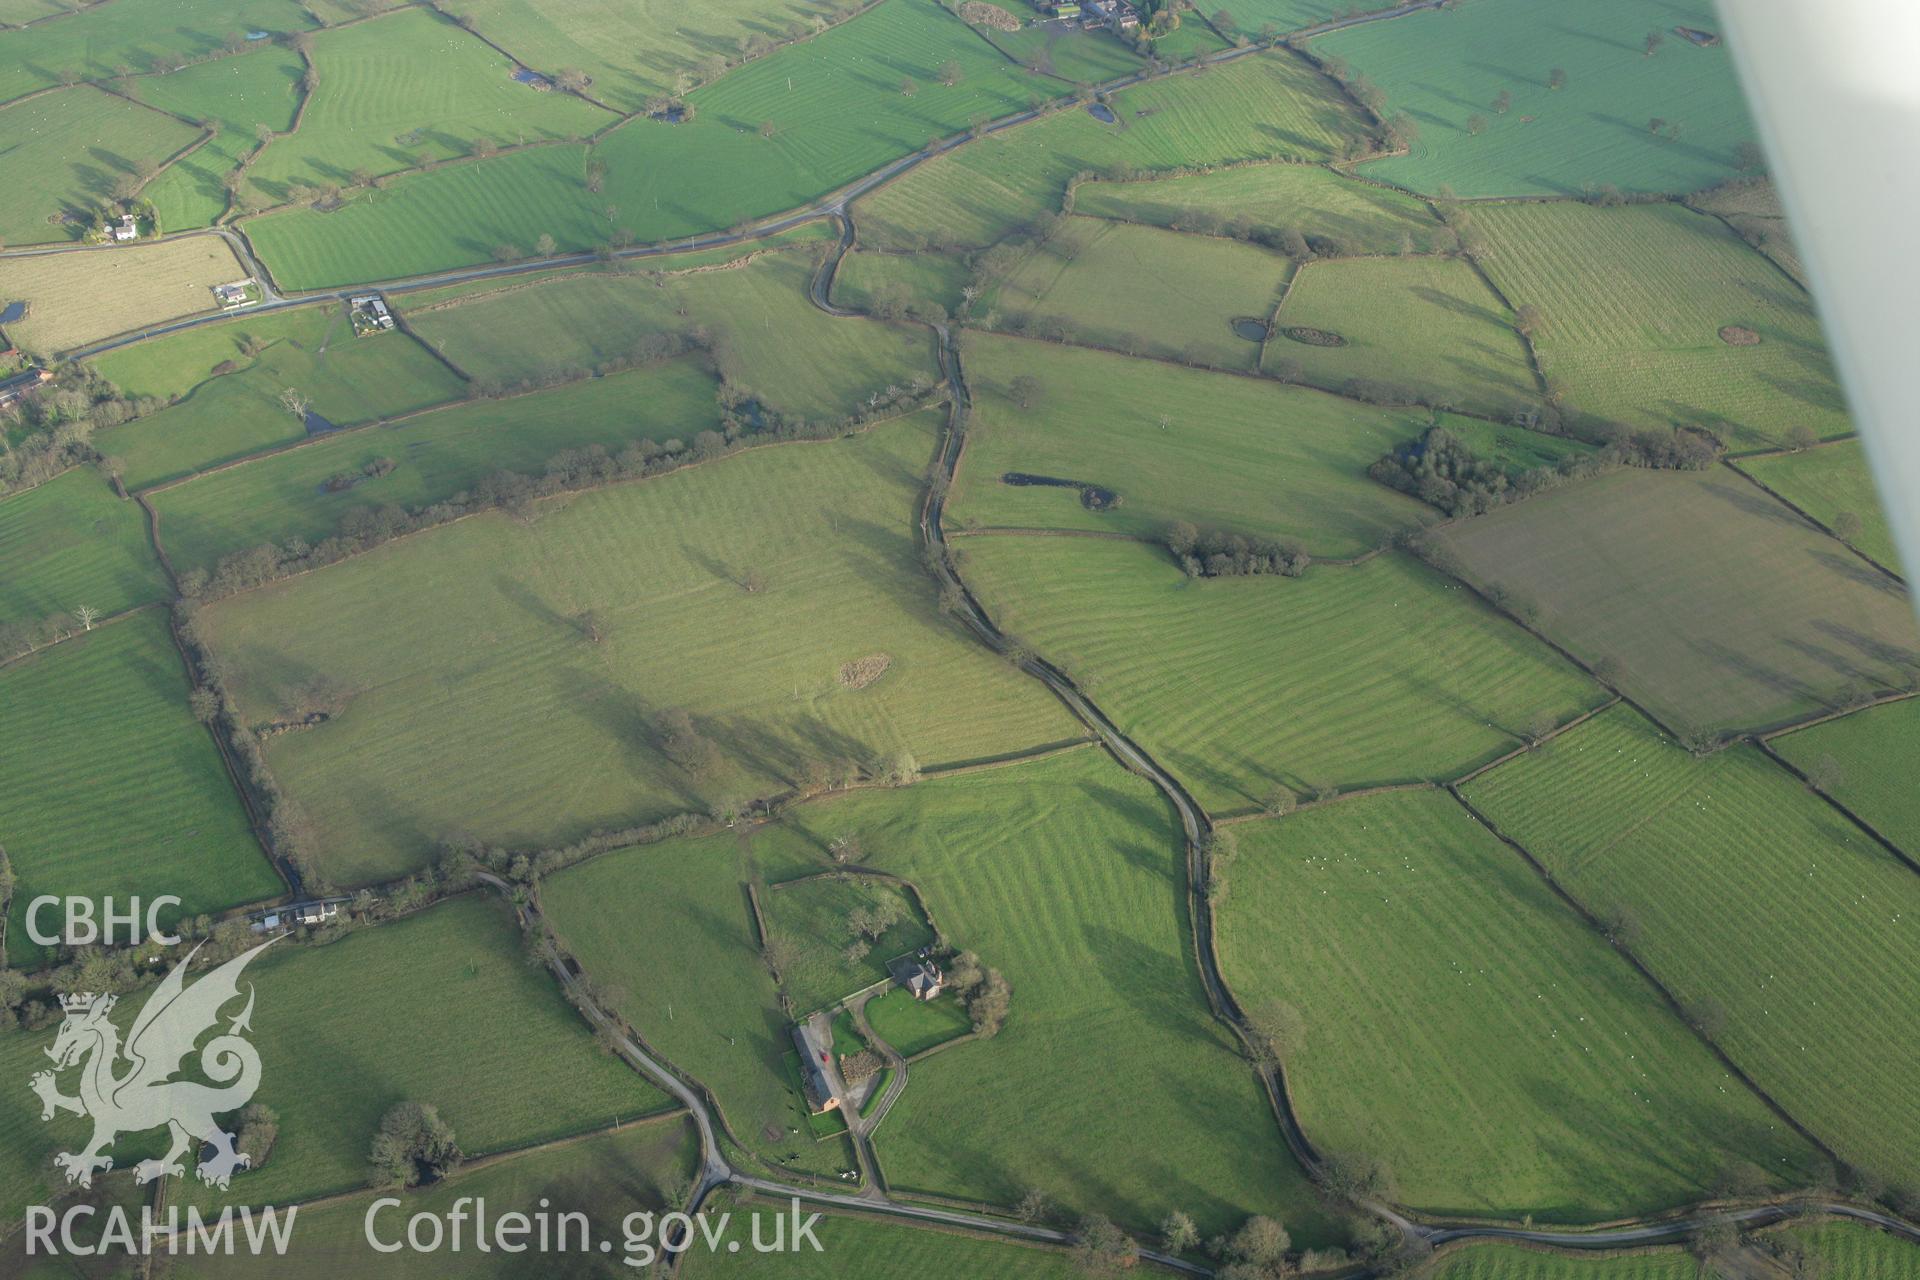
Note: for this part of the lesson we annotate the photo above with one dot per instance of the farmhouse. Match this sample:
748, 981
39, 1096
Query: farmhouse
125, 229
923, 980
21, 384
370, 314
814, 1063
237, 294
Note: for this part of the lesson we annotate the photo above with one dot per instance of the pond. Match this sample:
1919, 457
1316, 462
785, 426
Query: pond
1249, 328
1092, 496
317, 425
1101, 112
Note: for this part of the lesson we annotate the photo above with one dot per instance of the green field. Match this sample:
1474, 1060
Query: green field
1143, 291
914, 1026
439, 1008
312, 350
70, 542
1460, 1025
863, 280
1500, 1261
240, 94
1824, 483
1421, 329
1752, 207
78, 143
1793, 935
768, 339
1444, 68
1873, 761
1261, 107
1633, 301
438, 455
863, 1248
844, 115
1346, 216
404, 90
1721, 607
813, 916
1860, 1252
1176, 444
1345, 677
485, 692
1083, 57
606, 1177
117, 791
1516, 449
98, 40
692, 982
1067, 875
631, 51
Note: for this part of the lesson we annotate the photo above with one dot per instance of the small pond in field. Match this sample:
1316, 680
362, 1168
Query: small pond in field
1101, 112
1249, 328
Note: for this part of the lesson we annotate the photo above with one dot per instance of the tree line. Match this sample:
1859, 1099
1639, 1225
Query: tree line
1214, 553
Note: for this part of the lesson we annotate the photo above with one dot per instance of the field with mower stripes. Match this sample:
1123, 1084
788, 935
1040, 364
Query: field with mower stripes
489, 688
1633, 300
1792, 936
241, 95
78, 143
70, 542
1246, 686
99, 726
1828, 483
1459, 1023
1867, 761
99, 39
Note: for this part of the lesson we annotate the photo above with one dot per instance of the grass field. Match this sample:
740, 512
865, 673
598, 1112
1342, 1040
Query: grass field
1067, 875
70, 542
631, 51
1792, 934
98, 40
77, 143
862, 279
845, 115
1458, 1023
117, 790
438, 1008
1752, 207
1516, 449
1633, 300
1064, 50
536, 709
1345, 677
1144, 291
864, 1248
407, 89
1260, 107
813, 917
768, 338
311, 350
80, 297
1355, 217
1824, 483
1176, 444
913, 1026
1499, 1261
606, 1177
1860, 1252
241, 94
1873, 755
1721, 607
692, 981
439, 455
1427, 327
1442, 69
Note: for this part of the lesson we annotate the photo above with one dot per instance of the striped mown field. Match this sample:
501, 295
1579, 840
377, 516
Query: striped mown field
855, 1247
1425, 329
1868, 761
1261, 107
1721, 608
1793, 937
78, 144
1446, 1014
1176, 444
95, 41
241, 94
1500, 1261
1143, 291
114, 788
70, 542
1830, 483
1345, 677
1633, 300
485, 704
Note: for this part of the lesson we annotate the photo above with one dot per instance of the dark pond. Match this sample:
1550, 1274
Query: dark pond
1249, 328
1099, 111
317, 425
1092, 496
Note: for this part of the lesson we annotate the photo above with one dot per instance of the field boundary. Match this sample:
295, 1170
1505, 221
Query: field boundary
1734, 466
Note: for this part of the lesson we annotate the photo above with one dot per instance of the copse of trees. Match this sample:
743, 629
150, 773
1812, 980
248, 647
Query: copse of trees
60, 419
413, 1146
1212, 553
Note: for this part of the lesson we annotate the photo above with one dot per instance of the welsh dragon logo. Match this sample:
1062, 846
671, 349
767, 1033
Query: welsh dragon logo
131, 1088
